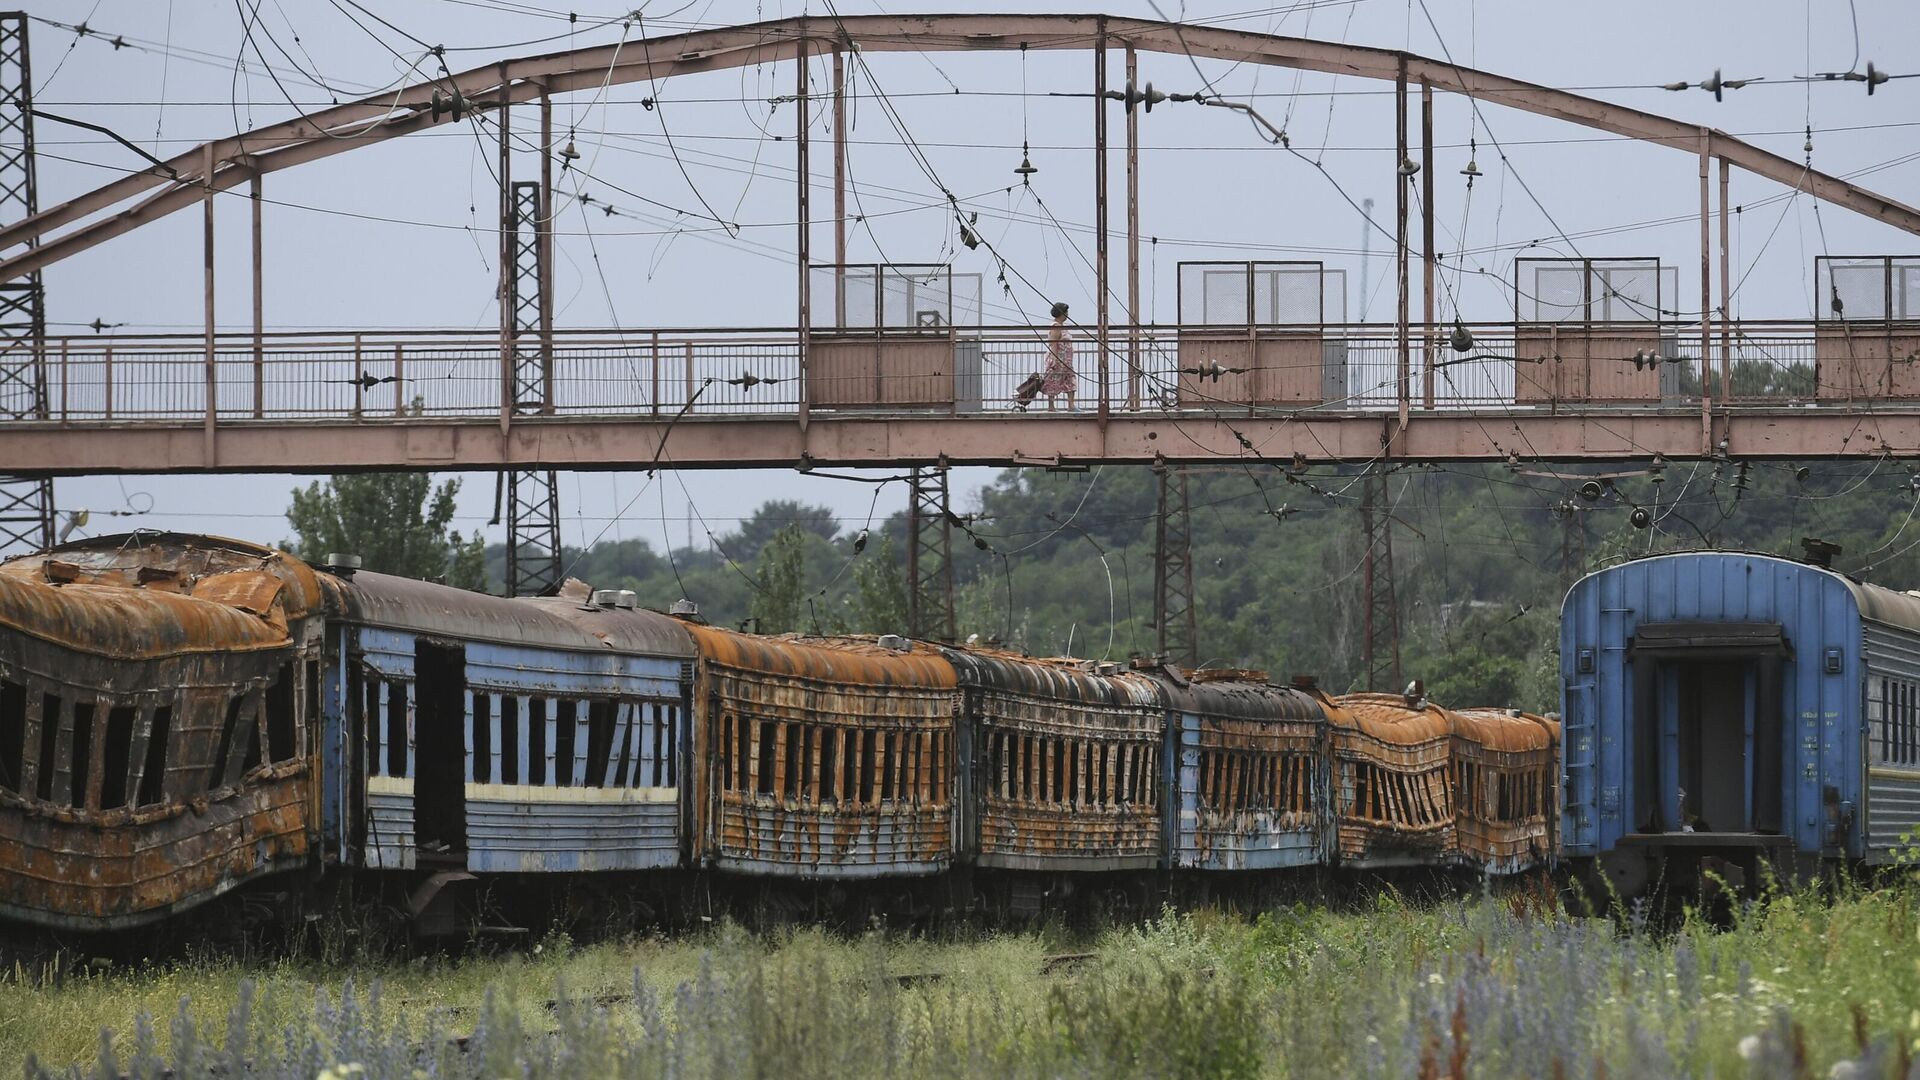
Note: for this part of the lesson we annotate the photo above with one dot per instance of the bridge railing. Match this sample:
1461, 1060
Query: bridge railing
387, 376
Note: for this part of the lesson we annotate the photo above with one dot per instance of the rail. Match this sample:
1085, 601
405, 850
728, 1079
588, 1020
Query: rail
398, 375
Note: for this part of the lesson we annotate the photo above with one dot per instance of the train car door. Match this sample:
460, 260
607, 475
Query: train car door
440, 749
1708, 725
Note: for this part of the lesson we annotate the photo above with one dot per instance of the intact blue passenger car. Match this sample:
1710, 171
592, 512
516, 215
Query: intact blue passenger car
1737, 708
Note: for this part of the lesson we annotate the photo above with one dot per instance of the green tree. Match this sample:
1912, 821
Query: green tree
773, 518
780, 582
878, 602
396, 522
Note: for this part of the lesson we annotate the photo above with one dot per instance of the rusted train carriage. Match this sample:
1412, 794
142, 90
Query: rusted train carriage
1393, 797
1504, 784
1253, 775
156, 737
488, 735
824, 758
1067, 763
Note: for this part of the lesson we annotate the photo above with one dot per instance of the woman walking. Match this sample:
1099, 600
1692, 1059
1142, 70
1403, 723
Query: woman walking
1058, 378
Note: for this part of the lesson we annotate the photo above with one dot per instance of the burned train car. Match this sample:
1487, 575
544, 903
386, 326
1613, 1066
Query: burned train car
481, 735
1253, 773
822, 758
158, 696
1066, 773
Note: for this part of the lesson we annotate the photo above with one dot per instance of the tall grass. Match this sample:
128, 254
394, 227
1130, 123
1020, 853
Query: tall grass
1798, 985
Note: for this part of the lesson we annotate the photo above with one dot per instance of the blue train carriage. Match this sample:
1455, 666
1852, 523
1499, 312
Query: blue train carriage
1065, 777
1253, 776
157, 692
1737, 708
824, 759
482, 735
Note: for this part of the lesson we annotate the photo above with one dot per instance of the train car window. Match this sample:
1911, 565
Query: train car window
50, 717
539, 720
509, 739
566, 741
763, 757
13, 734
82, 760
480, 727
667, 746
310, 716
118, 758
375, 727
742, 753
796, 760
399, 728
867, 766
226, 758
280, 697
889, 763
628, 718
153, 774
600, 753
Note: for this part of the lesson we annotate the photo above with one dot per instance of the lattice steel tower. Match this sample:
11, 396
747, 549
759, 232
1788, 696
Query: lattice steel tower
1379, 607
1174, 620
532, 495
26, 502
929, 557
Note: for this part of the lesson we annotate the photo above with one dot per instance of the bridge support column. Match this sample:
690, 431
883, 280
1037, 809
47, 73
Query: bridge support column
804, 183
1404, 382
1380, 606
929, 556
26, 502
1175, 621
209, 451
1100, 205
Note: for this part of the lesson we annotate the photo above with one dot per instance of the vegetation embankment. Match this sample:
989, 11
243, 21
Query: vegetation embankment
1797, 986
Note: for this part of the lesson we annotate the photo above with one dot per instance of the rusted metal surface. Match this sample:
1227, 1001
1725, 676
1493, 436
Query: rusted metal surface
1393, 799
154, 747
1506, 787
1253, 777
822, 757
1067, 763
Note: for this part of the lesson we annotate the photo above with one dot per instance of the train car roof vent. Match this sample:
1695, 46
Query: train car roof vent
606, 598
1819, 552
895, 642
626, 600
1108, 668
341, 564
686, 607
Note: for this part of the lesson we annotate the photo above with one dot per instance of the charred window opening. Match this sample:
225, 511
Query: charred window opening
566, 740
869, 765
480, 736
399, 733
256, 721
369, 695
830, 765
796, 762
311, 716
666, 748
280, 717
50, 716
237, 737
153, 774
764, 757
13, 734
509, 739
887, 757
538, 752
82, 746
118, 756
600, 753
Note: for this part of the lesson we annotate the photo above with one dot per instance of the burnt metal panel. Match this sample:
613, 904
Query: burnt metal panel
1253, 782
1067, 762
64, 873
1393, 799
1505, 788
822, 757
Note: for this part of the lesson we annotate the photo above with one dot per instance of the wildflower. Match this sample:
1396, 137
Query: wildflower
342, 1072
1749, 1048
1436, 979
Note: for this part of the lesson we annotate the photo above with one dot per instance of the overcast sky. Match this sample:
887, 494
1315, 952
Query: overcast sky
400, 234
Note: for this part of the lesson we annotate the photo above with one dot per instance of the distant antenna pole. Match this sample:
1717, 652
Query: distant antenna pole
26, 502
929, 556
1379, 609
1366, 246
533, 495
1174, 619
